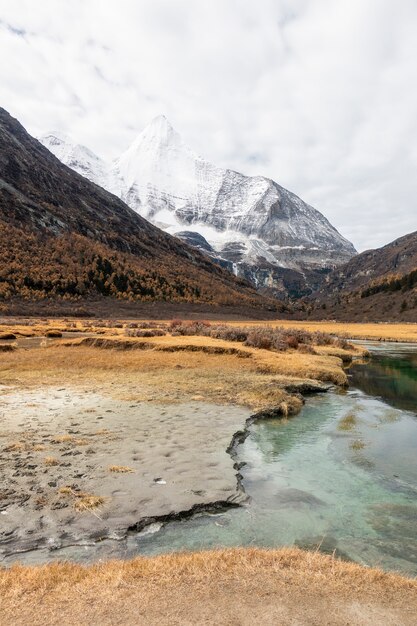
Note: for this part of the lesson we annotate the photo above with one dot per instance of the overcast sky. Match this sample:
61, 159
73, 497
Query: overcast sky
320, 95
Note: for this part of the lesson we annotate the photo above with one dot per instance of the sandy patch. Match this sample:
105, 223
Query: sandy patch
143, 460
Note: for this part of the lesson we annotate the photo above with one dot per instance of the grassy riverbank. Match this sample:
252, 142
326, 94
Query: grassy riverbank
172, 366
239, 586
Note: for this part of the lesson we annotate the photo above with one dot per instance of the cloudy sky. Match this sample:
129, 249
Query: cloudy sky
320, 95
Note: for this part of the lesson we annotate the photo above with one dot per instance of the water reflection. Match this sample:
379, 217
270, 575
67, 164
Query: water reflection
391, 374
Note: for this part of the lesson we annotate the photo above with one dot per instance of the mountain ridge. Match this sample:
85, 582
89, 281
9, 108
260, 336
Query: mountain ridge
378, 284
63, 236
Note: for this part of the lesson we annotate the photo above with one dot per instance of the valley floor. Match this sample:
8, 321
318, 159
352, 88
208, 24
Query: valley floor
92, 415
104, 432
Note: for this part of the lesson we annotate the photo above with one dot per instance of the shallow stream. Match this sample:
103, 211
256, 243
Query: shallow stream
340, 477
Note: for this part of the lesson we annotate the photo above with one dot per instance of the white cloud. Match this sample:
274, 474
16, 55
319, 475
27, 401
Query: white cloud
320, 95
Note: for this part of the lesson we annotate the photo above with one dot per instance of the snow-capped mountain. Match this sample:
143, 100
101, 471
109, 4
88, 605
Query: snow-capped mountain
258, 228
80, 159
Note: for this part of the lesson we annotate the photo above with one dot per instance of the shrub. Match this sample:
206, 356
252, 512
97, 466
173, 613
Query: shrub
151, 332
292, 342
266, 339
229, 333
322, 339
343, 343
262, 337
196, 327
175, 323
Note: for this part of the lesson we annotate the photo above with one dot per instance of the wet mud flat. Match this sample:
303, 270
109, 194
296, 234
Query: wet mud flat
79, 466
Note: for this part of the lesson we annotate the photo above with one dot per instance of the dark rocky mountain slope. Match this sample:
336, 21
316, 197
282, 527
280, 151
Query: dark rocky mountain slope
375, 285
64, 238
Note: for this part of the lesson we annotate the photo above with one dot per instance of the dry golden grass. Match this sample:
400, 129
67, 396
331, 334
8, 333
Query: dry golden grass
53, 333
82, 501
233, 586
370, 331
62, 439
120, 469
171, 369
55, 327
51, 461
7, 336
88, 501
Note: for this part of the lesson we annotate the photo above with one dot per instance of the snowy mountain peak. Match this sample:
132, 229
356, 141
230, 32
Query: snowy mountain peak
157, 159
157, 136
250, 222
159, 126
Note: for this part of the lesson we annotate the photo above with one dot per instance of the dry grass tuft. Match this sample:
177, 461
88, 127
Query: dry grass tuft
16, 446
348, 422
70, 439
358, 444
88, 502
51, 461
121, 469
62, 439
82, 501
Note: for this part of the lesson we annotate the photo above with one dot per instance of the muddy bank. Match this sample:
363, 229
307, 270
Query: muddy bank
61, 448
